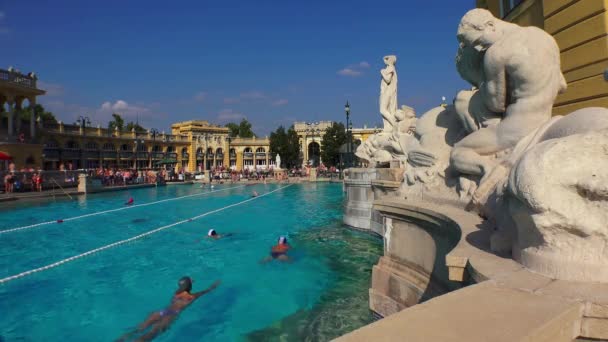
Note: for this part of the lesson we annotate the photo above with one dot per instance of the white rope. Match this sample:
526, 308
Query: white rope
121, 242
110, 211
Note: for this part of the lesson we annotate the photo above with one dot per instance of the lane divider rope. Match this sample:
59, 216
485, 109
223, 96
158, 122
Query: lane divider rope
111, 210
137, 237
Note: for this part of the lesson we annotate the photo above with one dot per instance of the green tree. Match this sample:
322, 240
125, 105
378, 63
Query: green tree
286, 144
333, 139
234, 129
25, 114
118, 122
137, 127
242, 129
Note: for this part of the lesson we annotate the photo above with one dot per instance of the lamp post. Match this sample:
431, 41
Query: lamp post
83, 121
348, 135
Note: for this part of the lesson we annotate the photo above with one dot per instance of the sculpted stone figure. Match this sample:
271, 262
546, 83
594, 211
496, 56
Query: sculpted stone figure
388, 93
501, 112
278, 161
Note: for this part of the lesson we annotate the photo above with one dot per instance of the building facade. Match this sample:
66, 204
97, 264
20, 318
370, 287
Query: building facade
310, 135
581, 31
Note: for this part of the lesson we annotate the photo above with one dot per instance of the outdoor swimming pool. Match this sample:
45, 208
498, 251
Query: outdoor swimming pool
322, 294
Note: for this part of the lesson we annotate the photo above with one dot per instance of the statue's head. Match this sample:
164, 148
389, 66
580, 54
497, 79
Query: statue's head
478, 29
390, 59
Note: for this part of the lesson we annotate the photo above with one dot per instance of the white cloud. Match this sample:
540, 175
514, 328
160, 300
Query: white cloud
228, 115
354, 70
201, 96
349, 72
52, 89
2, 15
280, 102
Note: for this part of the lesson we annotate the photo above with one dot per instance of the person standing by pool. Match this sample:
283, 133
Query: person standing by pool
158, 322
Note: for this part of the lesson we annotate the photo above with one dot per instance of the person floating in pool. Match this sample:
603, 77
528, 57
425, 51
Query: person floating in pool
255, 194
212, 234
159, 321
279, 251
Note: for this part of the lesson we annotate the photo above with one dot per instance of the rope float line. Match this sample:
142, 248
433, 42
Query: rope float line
111, 210
137, 237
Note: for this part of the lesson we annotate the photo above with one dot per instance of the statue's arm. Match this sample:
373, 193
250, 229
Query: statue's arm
495, 85
387, 74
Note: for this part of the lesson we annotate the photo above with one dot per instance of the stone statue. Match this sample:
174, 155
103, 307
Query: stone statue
499, 113
278, 161
388, 93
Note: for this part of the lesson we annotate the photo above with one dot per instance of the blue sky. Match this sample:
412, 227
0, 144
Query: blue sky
272, 62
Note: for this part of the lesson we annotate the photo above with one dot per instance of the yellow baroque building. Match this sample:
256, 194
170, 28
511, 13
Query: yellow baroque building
580, 28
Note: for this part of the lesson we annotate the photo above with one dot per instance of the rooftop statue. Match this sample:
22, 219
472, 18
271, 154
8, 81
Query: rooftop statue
388, 93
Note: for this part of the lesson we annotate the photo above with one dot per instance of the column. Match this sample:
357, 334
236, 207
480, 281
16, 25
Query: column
11, 115
32, 118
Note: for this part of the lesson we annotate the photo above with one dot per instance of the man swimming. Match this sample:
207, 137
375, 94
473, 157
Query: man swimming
279, 251
254, 194
212, 234
158, 322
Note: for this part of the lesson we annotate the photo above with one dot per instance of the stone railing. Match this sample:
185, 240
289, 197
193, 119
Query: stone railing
18, 78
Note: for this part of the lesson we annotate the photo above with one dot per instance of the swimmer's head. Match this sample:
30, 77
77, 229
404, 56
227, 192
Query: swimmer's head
282, 240
184, 284
212, 232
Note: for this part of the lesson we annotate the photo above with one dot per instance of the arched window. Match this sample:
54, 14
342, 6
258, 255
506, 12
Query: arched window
142, 148
232, 151
185, 150
109, 147
260, 150
72, 144
219, 150
209, 150
124, 147
199, 152
157, 148
248, 150
170, 148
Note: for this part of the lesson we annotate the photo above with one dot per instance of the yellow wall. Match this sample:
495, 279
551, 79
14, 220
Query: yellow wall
580, 28
22, 152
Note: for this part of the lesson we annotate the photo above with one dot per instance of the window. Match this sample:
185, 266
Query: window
109, 147
91, 145
72, 144
506, 6
260, 150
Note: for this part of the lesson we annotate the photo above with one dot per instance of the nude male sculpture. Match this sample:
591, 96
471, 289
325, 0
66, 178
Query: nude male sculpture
519, 80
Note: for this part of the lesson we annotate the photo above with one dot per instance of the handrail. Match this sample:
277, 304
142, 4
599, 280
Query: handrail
62, 189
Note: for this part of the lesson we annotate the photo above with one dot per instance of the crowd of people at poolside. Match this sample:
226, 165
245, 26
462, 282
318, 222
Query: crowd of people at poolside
30, 179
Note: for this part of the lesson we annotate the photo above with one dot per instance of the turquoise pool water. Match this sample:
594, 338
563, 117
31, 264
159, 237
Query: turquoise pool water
322, 294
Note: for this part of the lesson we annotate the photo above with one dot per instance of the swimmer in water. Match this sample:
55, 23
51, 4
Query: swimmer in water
279, 251
212, 234
158, 322
254, 194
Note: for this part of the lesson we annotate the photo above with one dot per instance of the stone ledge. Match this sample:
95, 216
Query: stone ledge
482, 312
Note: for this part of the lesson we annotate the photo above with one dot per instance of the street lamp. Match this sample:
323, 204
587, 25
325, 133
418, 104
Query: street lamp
154, 132
83, 122
348, 135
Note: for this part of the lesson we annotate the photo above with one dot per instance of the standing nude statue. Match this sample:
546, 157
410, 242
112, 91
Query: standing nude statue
388, 93
518, 81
